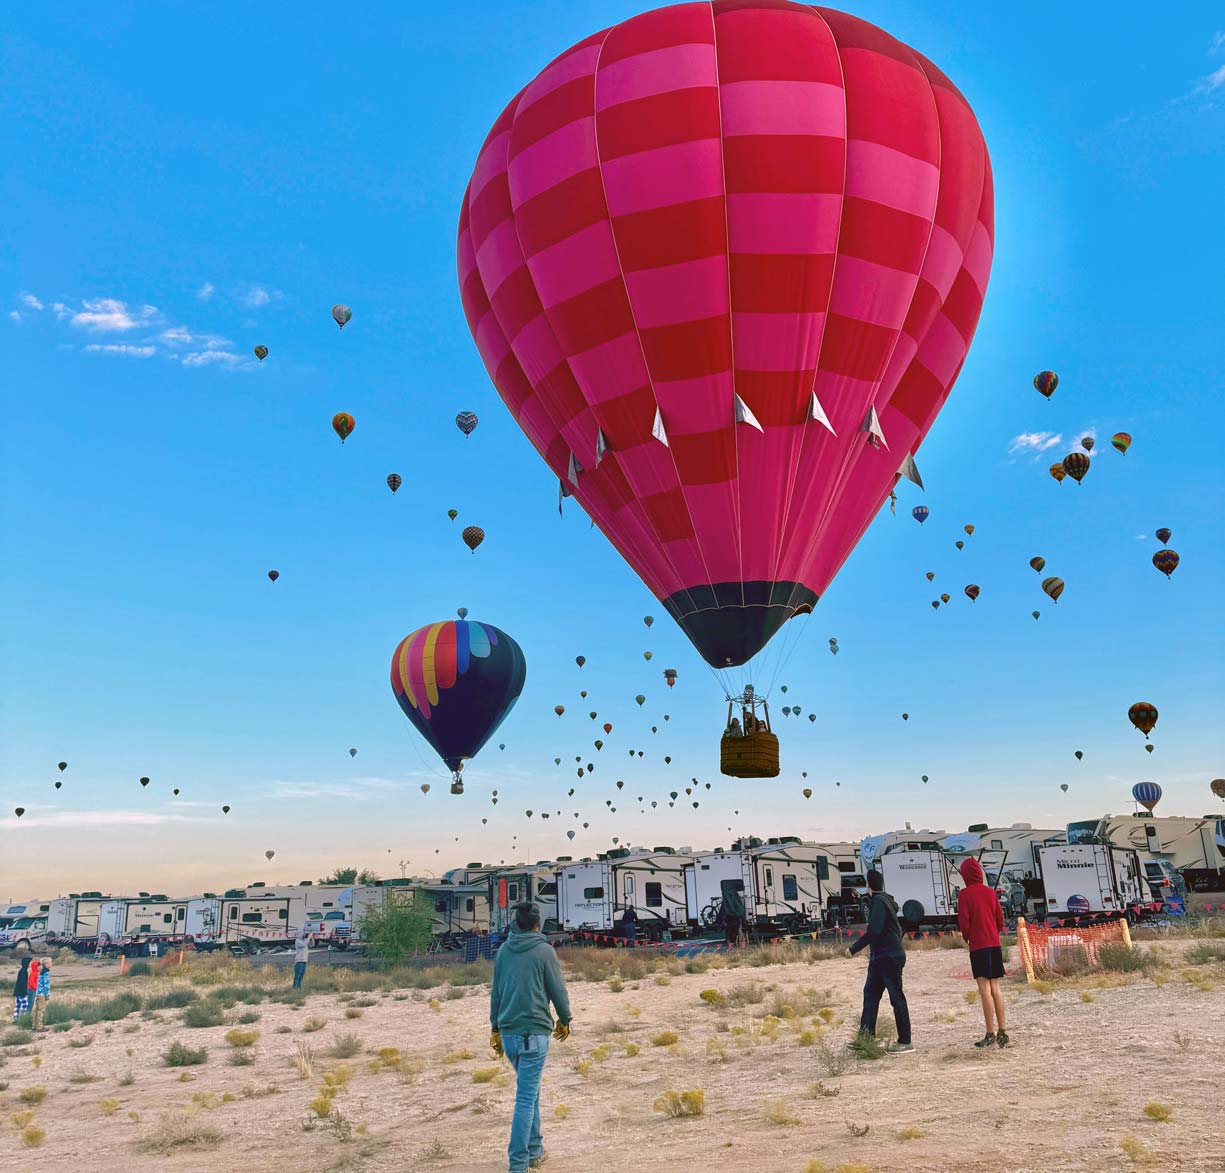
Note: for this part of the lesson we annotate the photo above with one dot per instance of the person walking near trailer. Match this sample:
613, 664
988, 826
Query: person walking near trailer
21, 990
629, 925
42, 993
526, 979
886, 961
301, 955
980, 918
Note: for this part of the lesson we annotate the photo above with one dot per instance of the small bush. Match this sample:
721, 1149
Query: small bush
241, 1038
818, 1091
1085, 996
80, 1040
345, 1047
255, 1091
179, 1130
664, 1038
313, 1024
662, 979
675, 1104
15, 1038
283, 1030
32, 1136
127, 1079
631, 1049
911, 1132
713, 998
353, 1012
83, 1077
202, 1014
1039, 987
1159, 1112
241, 1059
321, 1105
777, 1112
183, 1056
457, 1056
561, 1112
32, 1095
831, 1060
247, 1017
486, 1074
1138, 1153
108, 1107
970, 997
582, 1067
1205, 953
745, 994
616, 985
173, 999
1115, 957
304, 1058
139, 969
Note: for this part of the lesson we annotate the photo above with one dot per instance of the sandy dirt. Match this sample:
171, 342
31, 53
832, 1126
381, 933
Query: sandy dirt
1064, 1097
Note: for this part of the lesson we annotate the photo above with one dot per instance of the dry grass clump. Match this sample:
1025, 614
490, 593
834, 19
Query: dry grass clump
1039, 987
561, 1112
179, 1130
675, 1104
1138, 1153
910, 1132
180, 1055
1159, 1112
241, 1058
32, 1136
582, 1067
32, 1095
713, 998
832, 1060
745, 994
304, 1058
81, 1041
457, 1057
664, 1038
777, 1112
662, 979
313, 1024
970, 997
353, 1012
345, 1047
486, 1074
255, 1091
1205, 953
631, 1049
202, 1014
108, 1107
83, 1077
241, 1038
365, 1001
716, 1052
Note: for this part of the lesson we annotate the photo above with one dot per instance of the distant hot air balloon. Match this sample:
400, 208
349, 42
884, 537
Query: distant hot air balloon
462, 612
352, 752
812, 717
1087, 442
607, 727
969, 529
1045, 383
944, 598
1064, 787
580, 661
1058, 471
579, 293
343, 424
1147, 794
19, 811
452, 513
425, 788
593, 714
1166, 561
806, 792
559, 709
905, 716
1217, 786
640, 699
456, 682
648, 619
924, 779
261, 352
175, 792
269, 854
1037, 564
930, 575
1036, 614
1143, 715
1080, 753
647, 656
960, 545
1121, 441
786, 710
1164, 535
466, 422
1076, 465
569, 834
473, 536
62, 766
1053, 586
394, 481
225, 810
341, 314
273, 575
144, 782
920, 513
58, 784
973, 592
670, 677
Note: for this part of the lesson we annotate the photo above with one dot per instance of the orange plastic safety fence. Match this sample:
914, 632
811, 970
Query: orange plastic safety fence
1060, 950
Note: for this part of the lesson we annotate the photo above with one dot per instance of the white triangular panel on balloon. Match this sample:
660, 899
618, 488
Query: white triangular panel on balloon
744, 413
817, 412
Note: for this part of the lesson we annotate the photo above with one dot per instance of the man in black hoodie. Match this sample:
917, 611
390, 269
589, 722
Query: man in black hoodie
885, 963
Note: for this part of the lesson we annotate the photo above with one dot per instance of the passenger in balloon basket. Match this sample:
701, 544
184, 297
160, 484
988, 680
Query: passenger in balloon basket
886, 960
527, 977
980, 918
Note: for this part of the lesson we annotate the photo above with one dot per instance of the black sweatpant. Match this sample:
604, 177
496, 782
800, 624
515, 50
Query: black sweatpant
885, 973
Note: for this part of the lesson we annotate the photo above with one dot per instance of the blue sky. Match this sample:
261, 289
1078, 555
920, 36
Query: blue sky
178, 190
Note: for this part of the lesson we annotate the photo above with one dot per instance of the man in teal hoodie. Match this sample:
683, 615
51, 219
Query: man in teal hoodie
526, 978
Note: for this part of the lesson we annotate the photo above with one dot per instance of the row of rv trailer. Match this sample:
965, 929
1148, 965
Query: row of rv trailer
1118, 865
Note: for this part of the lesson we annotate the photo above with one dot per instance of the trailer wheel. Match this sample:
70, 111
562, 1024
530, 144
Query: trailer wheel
912, 913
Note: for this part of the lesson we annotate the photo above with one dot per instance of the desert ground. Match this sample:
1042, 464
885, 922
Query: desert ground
353, 1077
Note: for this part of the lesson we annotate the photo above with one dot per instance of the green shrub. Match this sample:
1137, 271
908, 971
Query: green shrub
15, 1038
241, 1038
664, 1038
675, 1104
249, 1016
180, 1055
32, 1095
139, 969
1116, 957
202, 1014
1205, 953
32, 1136
866, 1046
173, 999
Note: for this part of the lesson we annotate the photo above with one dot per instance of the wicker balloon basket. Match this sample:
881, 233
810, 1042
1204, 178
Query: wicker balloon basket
755, 755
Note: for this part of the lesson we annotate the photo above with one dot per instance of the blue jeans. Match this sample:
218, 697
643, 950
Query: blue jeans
885, 973
527, 1054
299, 971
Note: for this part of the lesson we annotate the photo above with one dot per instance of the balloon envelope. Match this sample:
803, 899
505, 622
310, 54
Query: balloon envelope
1058, 471
1076, 465
719, 346
343, 424
394, 481
341, 314
1045, 383
1053, 586
1166, 561
1147, 794
1164, 535
473, 536
1121, 441
1037, 564
1143, 715
466, 422
456, 681
261, 352
920, 513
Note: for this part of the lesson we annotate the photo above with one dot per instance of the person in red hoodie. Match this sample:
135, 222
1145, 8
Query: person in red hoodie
980, 918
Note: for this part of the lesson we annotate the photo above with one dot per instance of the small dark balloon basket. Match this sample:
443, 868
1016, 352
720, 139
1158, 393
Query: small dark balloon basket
754, 755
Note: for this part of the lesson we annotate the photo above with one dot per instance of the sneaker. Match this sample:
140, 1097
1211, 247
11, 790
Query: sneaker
899, 1048
988, 1040
1002, 1039
536, 1162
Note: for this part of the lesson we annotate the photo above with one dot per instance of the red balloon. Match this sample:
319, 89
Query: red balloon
723, 263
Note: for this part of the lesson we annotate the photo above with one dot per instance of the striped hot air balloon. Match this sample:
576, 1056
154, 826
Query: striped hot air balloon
1121, 441
1147, 794
1045, 383
1053, 586
1076, 465
1166, 561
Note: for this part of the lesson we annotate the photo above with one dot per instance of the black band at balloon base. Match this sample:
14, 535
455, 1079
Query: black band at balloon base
730, 622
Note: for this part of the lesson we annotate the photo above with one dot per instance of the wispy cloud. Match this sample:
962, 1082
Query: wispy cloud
255, 296
60, 310
1210, 84
63, 819
29, 301
15, 315
180, 336
1033, 443
121, 348
1141, 537
108, 315
1218, 43
204, 358
357, 788
206, 291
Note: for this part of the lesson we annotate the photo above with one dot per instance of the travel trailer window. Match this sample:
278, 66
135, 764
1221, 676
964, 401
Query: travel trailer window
181, 914
549, 889
1085, 832
791, 890
593, 893
629, 887
512, 892
469, 904
769, 877
997, 845
233, 912
846, 865
655, 895
440, 905
284, 914
251, 918
167, 918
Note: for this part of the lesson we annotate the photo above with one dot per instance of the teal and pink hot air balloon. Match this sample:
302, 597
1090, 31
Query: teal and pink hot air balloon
456, 681
723, 263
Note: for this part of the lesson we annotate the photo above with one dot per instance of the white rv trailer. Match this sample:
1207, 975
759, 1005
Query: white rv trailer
847, 887
771, 884
141, 920
458, 908
924, 881
592, 894
1195, 847
873, 847
1018, 844
320, 898
1093, 879
514, 883
247, 922
72, 921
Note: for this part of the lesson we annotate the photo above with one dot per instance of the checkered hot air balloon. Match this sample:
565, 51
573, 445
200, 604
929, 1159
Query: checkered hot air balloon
723, 262
473, 536
466, 422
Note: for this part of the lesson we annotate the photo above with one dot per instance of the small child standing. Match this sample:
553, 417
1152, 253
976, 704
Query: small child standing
980, 918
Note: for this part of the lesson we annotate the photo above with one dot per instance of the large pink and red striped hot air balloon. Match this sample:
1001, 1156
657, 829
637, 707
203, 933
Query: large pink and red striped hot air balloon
723, 262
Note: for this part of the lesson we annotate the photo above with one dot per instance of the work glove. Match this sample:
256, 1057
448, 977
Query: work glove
562, 1032
495, 1041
